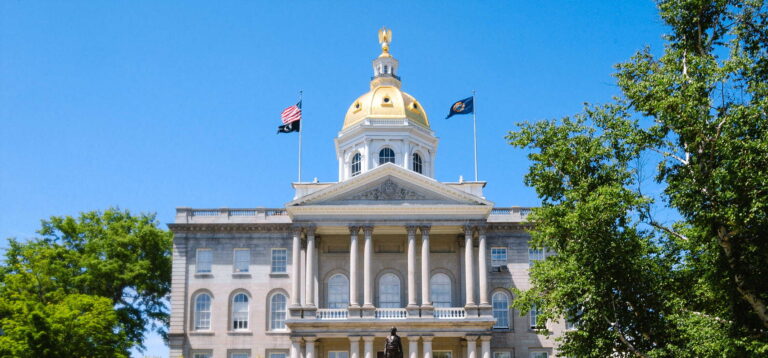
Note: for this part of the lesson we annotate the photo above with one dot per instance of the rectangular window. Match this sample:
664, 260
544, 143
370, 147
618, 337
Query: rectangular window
242, 260
539, 355
278, 355
279, 260
502, 355
535, 255
239, 355
201, 355
442, 354
204, 260
338, 354
498, 256
534, 317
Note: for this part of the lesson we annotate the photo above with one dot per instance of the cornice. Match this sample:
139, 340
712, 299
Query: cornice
503, 227
230, 227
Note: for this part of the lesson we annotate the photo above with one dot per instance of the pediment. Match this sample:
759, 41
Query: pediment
390, 185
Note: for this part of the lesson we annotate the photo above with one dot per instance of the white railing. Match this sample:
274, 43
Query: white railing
510, 214
222, 215
449, 312
332, 313
391, 313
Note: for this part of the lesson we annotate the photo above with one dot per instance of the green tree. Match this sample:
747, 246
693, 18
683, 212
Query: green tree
89, 286
636, 283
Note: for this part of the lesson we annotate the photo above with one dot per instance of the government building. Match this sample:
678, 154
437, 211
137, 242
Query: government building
387, 245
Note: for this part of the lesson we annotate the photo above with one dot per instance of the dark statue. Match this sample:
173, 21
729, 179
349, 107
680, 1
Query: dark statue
393, 347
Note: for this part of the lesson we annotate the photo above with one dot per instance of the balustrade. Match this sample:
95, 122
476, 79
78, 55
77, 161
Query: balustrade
391, 313
332, 313
449, 312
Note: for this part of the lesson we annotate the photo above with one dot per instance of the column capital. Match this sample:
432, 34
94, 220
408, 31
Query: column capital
354, 338
481, 229
468, 229
368, 338
427, 339
354, 229
368, 230
310, 339
310, 230
485, 338
297, 339
425, 229
411, 229
296, 230
470, 338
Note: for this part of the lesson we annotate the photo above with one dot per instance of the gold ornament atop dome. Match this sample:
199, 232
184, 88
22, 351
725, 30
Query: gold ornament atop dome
385, 37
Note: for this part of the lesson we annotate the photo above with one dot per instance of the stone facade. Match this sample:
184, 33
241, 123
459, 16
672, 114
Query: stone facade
329, 274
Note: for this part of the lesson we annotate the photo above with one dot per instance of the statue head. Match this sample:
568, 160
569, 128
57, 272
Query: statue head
393, 331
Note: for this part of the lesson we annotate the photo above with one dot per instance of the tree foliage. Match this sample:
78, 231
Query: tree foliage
90, 286
642, 283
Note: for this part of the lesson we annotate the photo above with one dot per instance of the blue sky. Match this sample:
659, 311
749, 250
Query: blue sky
154, 105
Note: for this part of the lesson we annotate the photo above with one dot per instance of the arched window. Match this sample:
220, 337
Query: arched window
277, 312
500, 302
356, 159
440, 285
417, 165
386, 155
240, 312
202, 312
338, 291
389, 291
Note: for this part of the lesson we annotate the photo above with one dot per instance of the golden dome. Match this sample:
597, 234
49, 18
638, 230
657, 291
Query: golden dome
385, 102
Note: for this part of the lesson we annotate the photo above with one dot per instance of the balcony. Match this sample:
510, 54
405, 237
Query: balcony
391, 313
450, 312
332, 313
443, 313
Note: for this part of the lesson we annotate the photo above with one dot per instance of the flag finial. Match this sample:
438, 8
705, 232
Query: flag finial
385, 37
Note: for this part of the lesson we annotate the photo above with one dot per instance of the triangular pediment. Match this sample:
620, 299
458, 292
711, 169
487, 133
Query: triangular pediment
390, 185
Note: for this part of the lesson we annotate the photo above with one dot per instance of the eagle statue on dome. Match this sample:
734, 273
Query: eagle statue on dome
385, 37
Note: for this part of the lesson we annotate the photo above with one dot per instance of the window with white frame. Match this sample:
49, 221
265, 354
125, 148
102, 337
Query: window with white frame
386, 155
442, 354
389, 291
440, 285
498, 256
202, 318
502, 355
500, 303
338, 291
277, 310
201, 355
239, 355
534, 317
572, 323
535, 254
356, 164
338, 354
539, 355
204, 261
418, 166
240, 312
242, 260
279, 260
277, 355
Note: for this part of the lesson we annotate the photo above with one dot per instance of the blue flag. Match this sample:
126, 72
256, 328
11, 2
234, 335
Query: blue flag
464, 106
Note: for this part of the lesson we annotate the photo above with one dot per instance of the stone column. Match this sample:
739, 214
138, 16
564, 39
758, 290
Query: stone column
413, 308
354, 347
353, 302
427, 346
482, 268
309, 347
471, 347
413, 347
469, 278
426, 299
310, 308
296, 268
485, 346
368, 307
295, 347
368, 346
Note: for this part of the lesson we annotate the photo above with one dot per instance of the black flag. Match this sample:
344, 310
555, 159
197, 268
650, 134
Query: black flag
290, 127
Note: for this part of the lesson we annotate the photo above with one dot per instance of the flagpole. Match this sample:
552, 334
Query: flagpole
301, 127
474, 127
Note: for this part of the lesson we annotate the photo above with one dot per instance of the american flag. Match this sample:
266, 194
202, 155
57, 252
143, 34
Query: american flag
291, 114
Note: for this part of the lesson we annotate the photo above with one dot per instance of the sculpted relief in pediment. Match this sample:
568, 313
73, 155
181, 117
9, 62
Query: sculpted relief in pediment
388, 190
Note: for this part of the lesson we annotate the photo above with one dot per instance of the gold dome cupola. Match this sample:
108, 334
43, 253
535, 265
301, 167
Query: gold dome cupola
385, 125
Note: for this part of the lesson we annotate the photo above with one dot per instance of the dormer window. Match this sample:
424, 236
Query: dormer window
386, 155
417, 164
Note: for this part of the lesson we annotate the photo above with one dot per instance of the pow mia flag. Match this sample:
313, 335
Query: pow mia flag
294, 126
